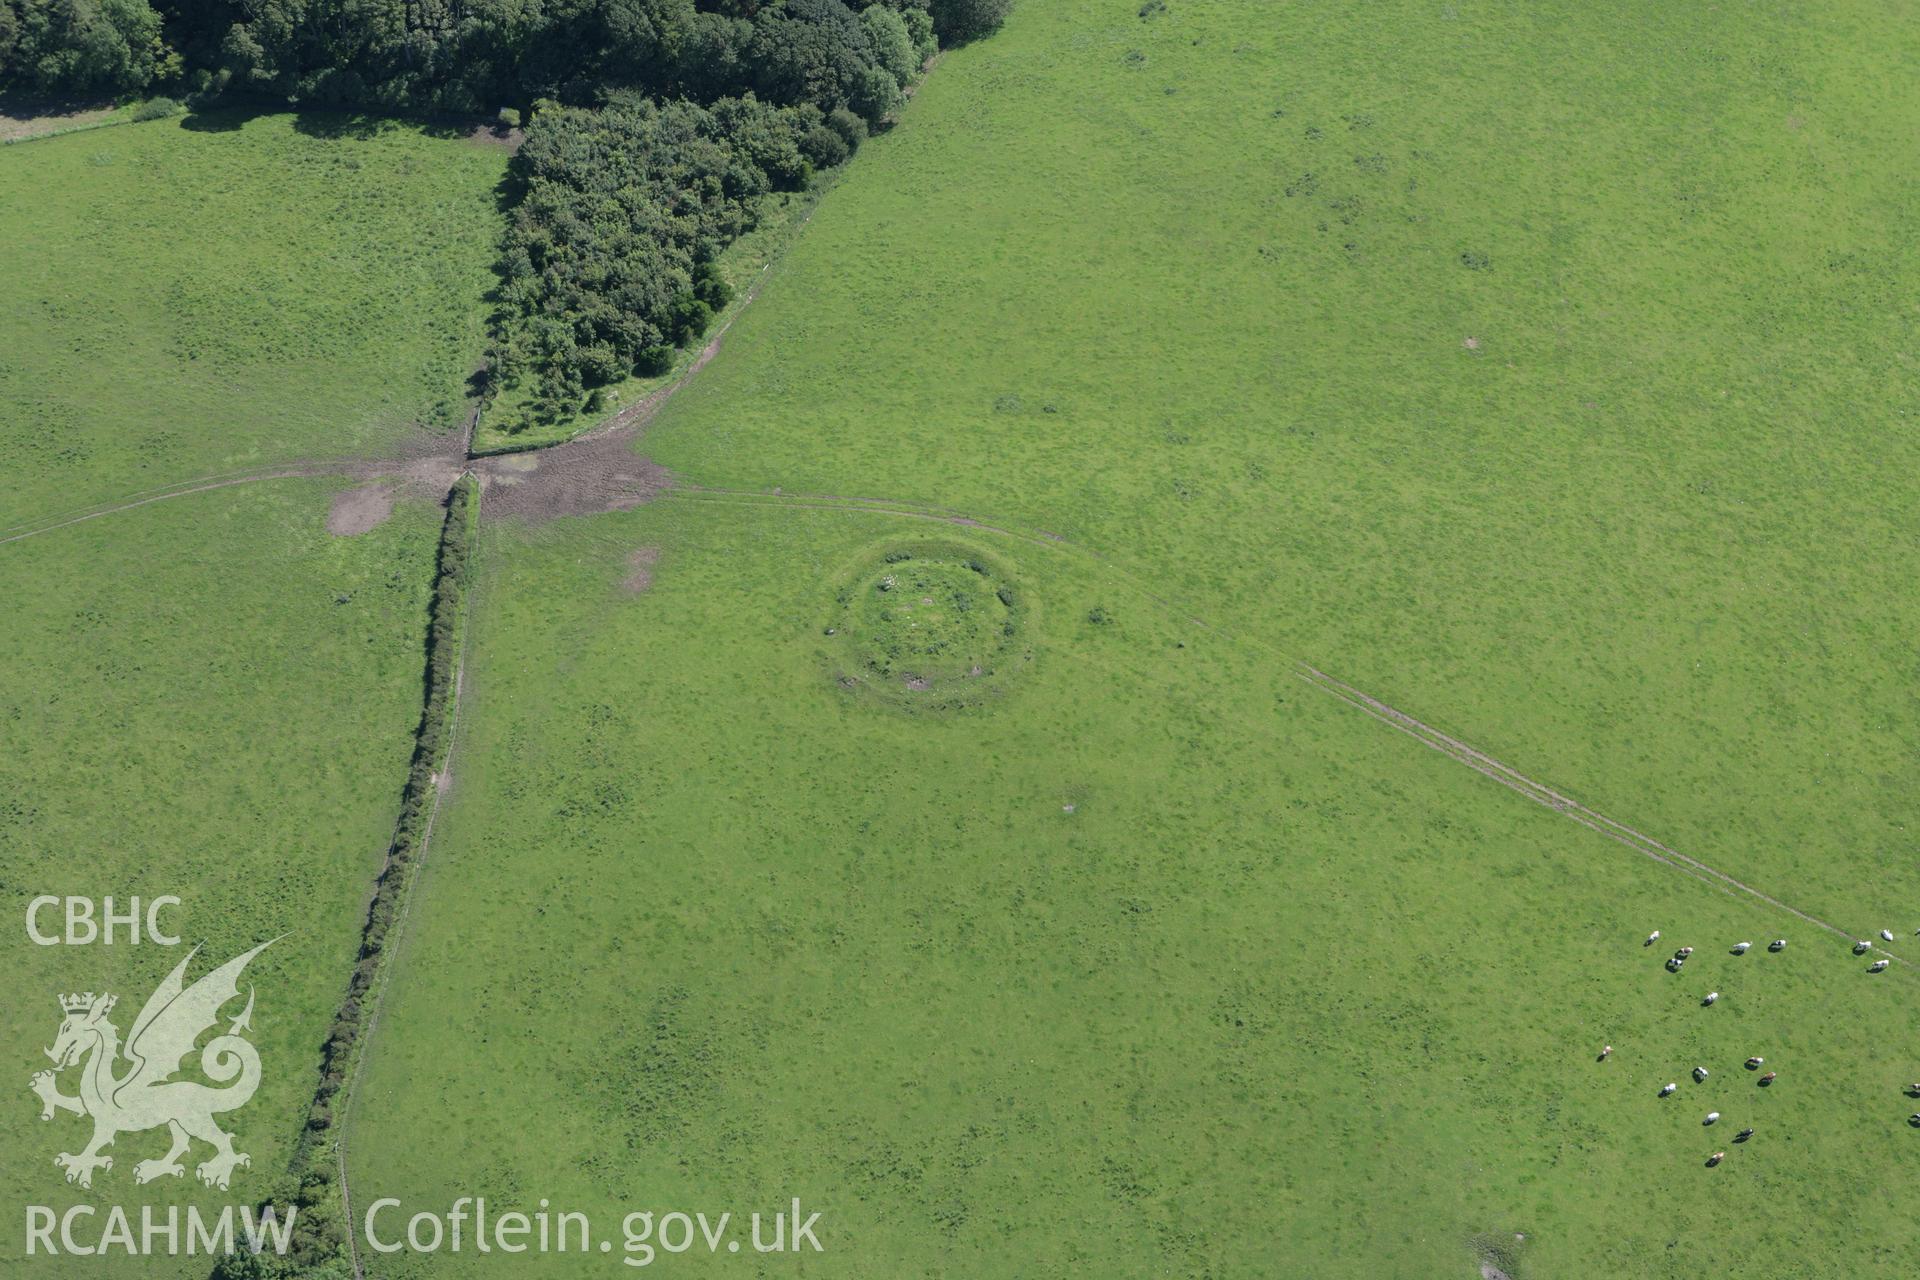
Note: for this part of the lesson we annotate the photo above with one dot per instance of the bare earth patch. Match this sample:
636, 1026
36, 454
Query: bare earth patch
489, 135
427, 464
14, 127
355, 511
640, 569
584, 477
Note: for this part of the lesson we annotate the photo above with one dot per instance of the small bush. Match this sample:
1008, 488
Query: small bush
598, 364
823, 148
875, 94
961, 20
156, 109
851, 128
508, 118
688, 317
711, 287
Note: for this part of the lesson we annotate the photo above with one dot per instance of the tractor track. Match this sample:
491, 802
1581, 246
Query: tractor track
1454, 748
201, 484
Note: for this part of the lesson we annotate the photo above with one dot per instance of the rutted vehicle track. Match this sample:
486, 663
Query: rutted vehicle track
1454, 748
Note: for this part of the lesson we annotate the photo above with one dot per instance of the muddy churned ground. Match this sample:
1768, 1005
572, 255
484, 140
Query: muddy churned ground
589, 475
426, 467
358, 510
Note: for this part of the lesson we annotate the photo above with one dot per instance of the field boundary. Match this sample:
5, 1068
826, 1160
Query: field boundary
321, 1236
442, 779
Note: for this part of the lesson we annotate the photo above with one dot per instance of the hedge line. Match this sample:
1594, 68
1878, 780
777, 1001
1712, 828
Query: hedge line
319, 1250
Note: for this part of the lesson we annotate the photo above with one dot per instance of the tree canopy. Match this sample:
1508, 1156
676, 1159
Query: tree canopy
653, 126
482, 55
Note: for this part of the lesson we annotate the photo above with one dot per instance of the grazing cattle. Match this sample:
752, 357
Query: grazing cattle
1914, 1120
1711, 997
1743, 1135
1668, 1089
1684, 952
1778, 944
1651, 938
1878, 966
1716, 1158
1674, 963
1753, 1064
1606, 1053
1862, 946
1712, 1117
1767, 1079
1886, 935
1914, 1089
1699, 1074
1740, 948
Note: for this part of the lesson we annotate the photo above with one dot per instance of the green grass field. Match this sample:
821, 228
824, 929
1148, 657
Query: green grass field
1542, 372
1646, 540
973, 864
188, 297
210, 698
1160, 962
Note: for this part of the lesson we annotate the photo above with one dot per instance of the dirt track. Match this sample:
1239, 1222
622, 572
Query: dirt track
1463, 752
597, 472
427, 464
1544, 795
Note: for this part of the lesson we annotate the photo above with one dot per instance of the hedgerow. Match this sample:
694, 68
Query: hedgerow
319, 1233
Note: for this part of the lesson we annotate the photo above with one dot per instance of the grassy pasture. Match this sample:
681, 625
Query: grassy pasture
194, 296
212, 696
1197, 290
1161, 962
1543, 370
1540, 370
209, 697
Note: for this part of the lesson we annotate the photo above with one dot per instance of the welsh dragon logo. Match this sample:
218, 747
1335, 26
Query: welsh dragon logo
146, 1096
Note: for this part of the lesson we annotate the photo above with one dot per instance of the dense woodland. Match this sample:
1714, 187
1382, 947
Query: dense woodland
653, 127
471, 55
